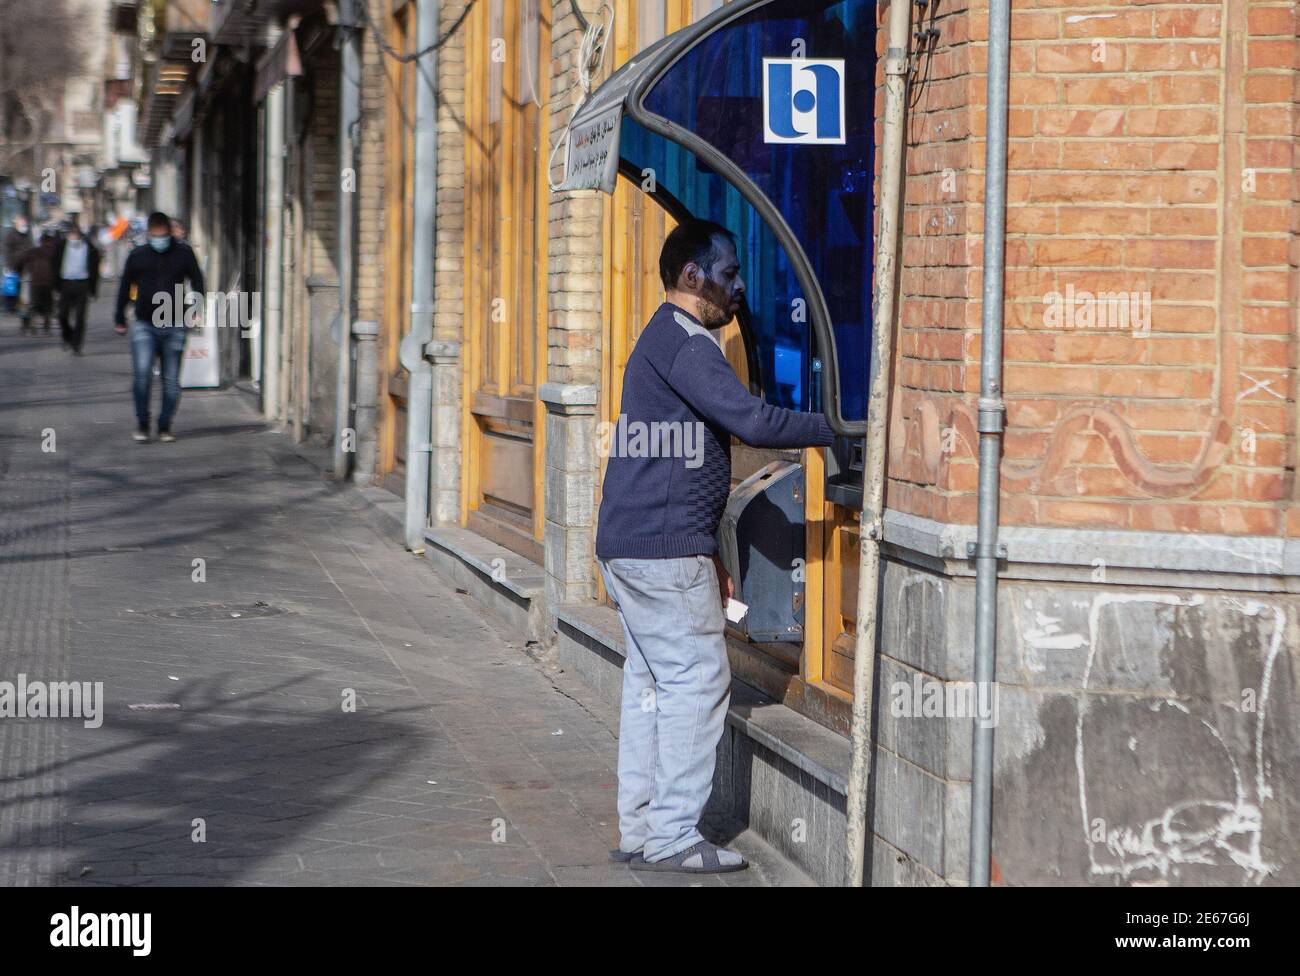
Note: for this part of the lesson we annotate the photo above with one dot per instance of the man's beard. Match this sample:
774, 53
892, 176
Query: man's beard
715, 306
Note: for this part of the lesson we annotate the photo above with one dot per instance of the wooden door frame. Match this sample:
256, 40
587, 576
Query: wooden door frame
502, 177
400, 26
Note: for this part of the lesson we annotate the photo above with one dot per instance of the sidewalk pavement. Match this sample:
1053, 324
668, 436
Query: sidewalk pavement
233, 601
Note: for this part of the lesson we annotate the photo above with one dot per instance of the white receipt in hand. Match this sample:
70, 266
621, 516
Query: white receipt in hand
736, 610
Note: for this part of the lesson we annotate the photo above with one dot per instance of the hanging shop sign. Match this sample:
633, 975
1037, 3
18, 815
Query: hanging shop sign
592, 161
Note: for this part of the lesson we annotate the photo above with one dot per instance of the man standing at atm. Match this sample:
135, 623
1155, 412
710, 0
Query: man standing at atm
656, 542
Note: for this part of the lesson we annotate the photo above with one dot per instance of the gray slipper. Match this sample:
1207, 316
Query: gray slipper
620, 856
703, 858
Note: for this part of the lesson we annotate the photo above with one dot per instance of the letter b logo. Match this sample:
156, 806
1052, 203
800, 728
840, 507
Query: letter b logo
803, 101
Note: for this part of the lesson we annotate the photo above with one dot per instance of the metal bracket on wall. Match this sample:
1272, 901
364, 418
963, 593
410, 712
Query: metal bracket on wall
972, 550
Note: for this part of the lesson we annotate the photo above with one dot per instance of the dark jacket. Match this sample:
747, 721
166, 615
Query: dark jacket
669, 471
16, 244
38, 262
92, 265
156, 275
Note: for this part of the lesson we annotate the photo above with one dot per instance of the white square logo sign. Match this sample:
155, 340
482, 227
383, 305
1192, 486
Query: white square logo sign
803, 101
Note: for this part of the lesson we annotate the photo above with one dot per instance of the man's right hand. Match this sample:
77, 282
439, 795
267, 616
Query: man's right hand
119, 328
726, 586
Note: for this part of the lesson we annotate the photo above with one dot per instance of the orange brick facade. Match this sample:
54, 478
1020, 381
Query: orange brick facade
1153, 240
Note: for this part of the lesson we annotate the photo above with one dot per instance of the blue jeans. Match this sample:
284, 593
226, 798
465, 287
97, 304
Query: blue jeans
150, 342
676, 687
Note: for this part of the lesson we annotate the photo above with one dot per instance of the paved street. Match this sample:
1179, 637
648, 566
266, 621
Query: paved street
464, 762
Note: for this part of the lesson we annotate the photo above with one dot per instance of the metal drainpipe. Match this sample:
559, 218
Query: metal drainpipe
871, 531
991, 415
349, 119
419, 404
273, 256
293, 349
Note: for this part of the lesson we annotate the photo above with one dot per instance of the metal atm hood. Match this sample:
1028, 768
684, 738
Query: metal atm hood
761, 117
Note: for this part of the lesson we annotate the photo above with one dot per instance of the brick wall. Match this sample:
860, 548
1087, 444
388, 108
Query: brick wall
1151, 156
370, 173
575, 309
449, 273
320, 242
449, 278
575, 262
322, 161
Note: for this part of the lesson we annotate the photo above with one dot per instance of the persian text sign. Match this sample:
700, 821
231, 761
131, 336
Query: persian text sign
593, 151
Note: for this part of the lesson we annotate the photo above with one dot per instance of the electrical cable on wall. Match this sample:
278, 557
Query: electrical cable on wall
578, 15
388, 49
591, 60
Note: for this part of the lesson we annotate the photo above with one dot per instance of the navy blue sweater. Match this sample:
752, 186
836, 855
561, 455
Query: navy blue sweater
669, 471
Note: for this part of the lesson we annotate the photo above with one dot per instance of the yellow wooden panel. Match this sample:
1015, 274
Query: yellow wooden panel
541, 286
839, 663
814, 521
471, 335
505, 253
840, 589
850, 558
399, 91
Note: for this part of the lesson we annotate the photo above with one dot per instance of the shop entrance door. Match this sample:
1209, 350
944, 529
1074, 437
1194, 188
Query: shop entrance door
505, 231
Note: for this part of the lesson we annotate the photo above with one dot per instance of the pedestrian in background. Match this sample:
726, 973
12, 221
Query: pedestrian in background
158, 270
17, 241
76, 263
38, 263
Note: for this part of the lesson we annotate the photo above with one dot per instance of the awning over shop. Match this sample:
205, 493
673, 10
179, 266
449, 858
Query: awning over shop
282, 61
244, 22
761, 117
167, 82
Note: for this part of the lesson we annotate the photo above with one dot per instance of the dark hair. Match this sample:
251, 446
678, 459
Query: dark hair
691, 242
159, 219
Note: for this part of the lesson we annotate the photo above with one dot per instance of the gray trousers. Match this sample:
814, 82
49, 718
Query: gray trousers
676, 687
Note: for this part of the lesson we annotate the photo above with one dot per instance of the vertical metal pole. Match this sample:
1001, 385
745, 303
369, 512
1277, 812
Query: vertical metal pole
296, 349
366, 384
419, 404
349, 122
871, 528
273, 268
991, 412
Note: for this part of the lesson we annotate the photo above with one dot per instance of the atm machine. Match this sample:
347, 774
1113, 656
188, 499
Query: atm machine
760, 117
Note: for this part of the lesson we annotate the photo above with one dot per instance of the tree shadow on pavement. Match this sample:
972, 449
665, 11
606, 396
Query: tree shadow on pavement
279, 793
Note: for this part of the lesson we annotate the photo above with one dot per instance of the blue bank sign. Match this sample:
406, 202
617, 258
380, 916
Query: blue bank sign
803, 101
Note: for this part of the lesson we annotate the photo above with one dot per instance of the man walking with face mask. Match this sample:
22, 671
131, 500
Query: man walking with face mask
159, 271
76, 268
657, 547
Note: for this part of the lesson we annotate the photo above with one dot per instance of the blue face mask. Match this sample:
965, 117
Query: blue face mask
160, 242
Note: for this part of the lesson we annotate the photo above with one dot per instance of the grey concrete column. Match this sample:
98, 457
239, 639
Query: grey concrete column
444, 464
367, 400
572, 468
